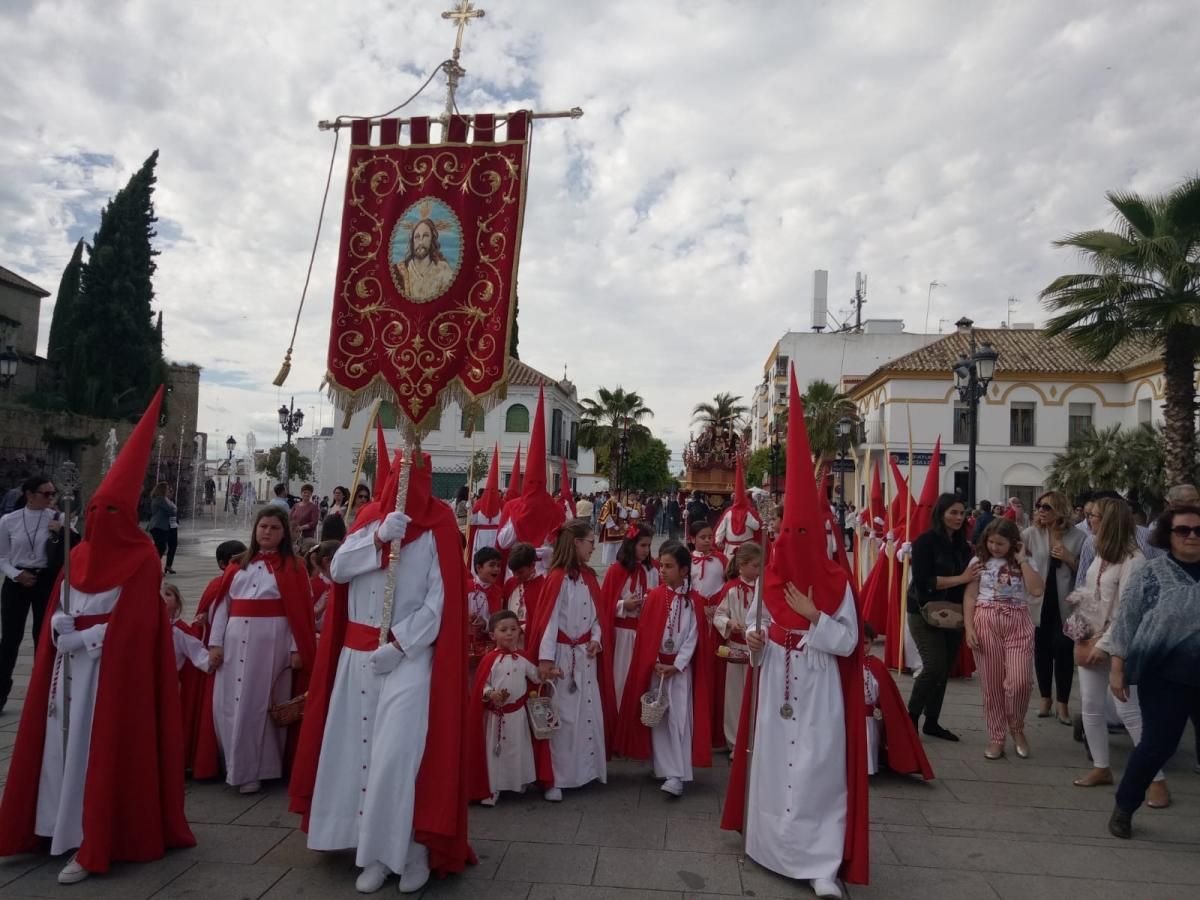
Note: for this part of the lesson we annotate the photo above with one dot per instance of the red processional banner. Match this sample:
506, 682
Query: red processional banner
427, 268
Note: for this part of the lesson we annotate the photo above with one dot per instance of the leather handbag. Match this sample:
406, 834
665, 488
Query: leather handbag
938, 613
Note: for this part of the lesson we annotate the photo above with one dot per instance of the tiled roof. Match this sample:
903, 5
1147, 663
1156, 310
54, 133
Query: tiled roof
1023, 350
10, 277
520, 373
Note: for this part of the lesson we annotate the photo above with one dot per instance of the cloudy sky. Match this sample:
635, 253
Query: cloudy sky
728, 149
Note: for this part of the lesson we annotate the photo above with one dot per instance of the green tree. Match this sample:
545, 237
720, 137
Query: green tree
824, 407
514, 336
1144, 283
65, 306
299, 466
481, 461
649, 467
1129, 461
114, 361
724, 412
606, 417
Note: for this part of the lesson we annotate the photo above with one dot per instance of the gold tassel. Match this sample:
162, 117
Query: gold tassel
285, 369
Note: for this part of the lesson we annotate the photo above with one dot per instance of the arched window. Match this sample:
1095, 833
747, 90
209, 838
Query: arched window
516, 419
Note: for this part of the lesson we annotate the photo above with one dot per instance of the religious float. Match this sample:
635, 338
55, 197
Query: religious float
710, 462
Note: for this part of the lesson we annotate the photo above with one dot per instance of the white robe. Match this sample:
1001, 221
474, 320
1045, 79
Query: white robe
514, 767
874, 726
577, 748
732, 611
507, 538
484, 533
258, 650
729, 540
671, 739
61, 784
623, 638
188, 648
376, 726
797, 820
708, 575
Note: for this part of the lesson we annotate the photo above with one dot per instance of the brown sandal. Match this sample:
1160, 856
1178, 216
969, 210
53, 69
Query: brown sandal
1094, 778
1160, 798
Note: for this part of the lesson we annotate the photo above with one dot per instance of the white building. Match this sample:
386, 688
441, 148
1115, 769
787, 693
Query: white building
1044, 392
450, 447
836, 357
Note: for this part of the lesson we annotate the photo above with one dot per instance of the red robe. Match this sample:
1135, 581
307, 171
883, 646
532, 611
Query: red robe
478, 746
631, 738
540, 620
204, 754
192, 683
902, 748
133, 792
533, 593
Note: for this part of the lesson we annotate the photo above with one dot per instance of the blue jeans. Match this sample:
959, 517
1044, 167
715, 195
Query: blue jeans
1166, 708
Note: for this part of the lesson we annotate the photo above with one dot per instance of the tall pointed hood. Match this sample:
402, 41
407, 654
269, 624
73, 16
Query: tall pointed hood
382, 469
535, 514
877, 509
513, 491
896, 512
490, 501
741, 509
535, 459
922, 514
113, 545
800, 555
568, 498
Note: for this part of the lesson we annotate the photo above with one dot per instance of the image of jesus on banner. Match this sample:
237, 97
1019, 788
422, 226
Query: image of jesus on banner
426, 250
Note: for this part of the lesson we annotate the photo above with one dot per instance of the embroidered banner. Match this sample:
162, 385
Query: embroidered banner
427, 271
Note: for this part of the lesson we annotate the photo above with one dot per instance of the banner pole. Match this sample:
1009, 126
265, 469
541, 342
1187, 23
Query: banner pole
908, 539
362, 457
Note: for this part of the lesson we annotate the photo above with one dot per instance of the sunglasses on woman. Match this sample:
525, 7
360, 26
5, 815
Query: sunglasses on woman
1044, 507
1185, 531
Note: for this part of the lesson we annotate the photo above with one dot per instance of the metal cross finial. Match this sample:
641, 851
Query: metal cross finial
462, 14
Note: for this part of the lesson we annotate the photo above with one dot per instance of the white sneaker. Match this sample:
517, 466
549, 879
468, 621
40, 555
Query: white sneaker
250, 787
827, 887
554, 795
371, 878
72, 873
673, 786
413, 878
490, 801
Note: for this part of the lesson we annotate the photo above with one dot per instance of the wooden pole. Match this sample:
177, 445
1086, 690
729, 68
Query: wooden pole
908, 539
362, 457
755, 674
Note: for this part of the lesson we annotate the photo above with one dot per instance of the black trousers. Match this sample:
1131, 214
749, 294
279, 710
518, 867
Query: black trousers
166, 542
938, 648
1166, 707
16, 601
1053, 653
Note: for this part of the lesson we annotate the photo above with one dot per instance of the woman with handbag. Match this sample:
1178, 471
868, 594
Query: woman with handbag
1054, 544
942, 567
1096, 605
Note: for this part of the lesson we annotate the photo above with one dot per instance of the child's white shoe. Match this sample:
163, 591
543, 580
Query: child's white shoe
673, 786
250, 787
827, 887
72, 873
490, 801
554, 795
371, 878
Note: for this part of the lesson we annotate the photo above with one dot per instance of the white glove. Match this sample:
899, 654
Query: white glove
905, 551
71, 642
889, 537
624, 513
394, 527
386, 658
62, 623
544, 553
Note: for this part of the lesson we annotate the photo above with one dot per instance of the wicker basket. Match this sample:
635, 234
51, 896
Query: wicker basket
289, 712
654, 704
543, 720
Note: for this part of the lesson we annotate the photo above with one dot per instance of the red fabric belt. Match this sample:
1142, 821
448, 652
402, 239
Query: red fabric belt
514, 706
667, 659
789, 640
628, 623
257, 609
82, 622
574, 642
362, 637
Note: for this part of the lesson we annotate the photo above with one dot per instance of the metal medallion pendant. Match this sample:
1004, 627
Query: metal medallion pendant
669, 646
572, 687
496, 750
786, 711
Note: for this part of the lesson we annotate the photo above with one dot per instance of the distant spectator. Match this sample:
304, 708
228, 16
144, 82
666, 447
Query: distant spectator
280, 498
164, 526
984, 519
306, 515
1016, 512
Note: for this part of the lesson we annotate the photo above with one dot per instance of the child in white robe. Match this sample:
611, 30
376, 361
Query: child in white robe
730, 622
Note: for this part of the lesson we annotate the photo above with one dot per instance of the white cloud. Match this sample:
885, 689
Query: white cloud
727, 150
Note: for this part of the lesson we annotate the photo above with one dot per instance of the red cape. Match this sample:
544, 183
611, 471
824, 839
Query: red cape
855, 864
133, 792
631, 738
901, 745
191, 695
539, 620
479, 744
440, 816
202, 753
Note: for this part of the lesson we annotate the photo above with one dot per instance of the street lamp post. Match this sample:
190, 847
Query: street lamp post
290, 420
972, 374
844, 427
230, 444
776, 452
622, 458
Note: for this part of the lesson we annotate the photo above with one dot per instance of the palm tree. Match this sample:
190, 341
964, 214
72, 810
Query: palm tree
823, 408
606, 417
1114, 459
724, 412
1145, 284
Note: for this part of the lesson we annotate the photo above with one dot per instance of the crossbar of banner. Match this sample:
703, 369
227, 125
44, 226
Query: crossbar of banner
335, 124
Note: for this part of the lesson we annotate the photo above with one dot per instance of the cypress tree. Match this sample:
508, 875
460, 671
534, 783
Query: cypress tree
116, 354
64, 307
514, 337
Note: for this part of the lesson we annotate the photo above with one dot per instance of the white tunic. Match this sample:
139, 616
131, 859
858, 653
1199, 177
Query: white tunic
514, 767
60, 787
874, 730
484, 532
188, 648
376, 726
797, 818
729, 540
577, 749
708, 575
508, 537
623, 638
258, 652
732, 611
671, 739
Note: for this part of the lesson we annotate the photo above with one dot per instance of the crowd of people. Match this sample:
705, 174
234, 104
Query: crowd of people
396, 658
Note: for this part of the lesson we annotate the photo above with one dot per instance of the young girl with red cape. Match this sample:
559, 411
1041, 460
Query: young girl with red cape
626, 584
111, 783
807, 794
672, 653
569, 633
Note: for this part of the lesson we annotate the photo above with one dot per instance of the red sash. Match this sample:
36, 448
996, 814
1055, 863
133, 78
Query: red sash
256, 609
575, 642
789, 640
628, 623
82, 622
361, 637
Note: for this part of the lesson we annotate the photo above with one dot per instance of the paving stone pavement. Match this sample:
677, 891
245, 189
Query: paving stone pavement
1012, 829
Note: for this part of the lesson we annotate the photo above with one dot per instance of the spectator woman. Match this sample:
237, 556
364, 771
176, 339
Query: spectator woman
1117, 559
943, 564
1155, 645
1054, 544
164, 524
337, 505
